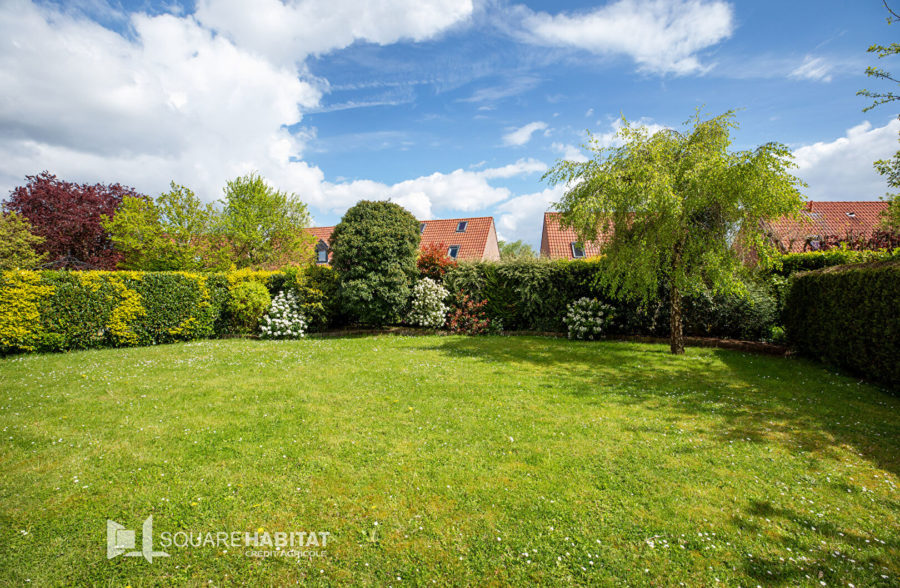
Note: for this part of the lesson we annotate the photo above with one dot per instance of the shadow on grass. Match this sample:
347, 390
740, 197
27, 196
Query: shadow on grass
762, 398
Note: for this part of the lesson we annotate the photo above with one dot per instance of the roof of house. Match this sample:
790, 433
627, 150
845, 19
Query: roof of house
820, 219
556, 241
473, 243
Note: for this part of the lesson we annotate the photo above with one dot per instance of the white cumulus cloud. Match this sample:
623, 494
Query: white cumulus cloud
290, 31
663, 36
842, 169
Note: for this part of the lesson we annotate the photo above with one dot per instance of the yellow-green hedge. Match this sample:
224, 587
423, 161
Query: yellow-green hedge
56, 311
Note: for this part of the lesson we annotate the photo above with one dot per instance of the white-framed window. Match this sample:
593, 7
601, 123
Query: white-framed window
453, 251
577, 250
461, 226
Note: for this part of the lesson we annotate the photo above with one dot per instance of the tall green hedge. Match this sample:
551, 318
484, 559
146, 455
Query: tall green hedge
849, 316
533, 296
792, 263
58, 310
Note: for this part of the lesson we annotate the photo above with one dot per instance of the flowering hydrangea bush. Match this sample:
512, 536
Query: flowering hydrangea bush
284, 319
428, 308
587, 318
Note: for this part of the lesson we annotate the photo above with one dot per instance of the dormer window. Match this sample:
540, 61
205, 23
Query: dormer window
421, 228
461, 226
453, 251
321, 252
577, 250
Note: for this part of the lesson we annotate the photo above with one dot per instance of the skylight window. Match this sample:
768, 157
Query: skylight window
851, 214
453, 251
461, 227
421, 228
577, 250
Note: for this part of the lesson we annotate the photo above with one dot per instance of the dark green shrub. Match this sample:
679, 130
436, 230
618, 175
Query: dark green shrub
247, 303
849, 316
374, 254
792, 263
534, 295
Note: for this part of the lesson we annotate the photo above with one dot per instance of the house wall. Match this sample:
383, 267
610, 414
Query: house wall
492, 247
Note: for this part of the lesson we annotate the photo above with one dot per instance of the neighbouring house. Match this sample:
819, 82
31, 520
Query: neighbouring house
820, 220
465, 239
558, 242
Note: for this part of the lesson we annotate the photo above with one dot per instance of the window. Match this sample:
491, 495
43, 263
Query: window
421, 228
851, 214
461, 227
577, 250
453, 251
322, 256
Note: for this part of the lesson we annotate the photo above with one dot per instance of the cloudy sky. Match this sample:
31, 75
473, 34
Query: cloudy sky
449, 107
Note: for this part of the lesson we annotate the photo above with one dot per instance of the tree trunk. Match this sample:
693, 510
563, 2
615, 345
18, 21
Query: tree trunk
676, 332
676, 336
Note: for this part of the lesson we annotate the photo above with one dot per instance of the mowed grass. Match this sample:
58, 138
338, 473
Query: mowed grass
449, 461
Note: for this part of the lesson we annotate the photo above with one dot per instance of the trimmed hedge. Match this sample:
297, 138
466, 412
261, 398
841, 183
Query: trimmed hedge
59, 310
533, 296
849, 316
792, 263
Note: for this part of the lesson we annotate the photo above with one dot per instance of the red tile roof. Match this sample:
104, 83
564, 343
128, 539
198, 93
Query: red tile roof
556, 241
821, 219
477, 242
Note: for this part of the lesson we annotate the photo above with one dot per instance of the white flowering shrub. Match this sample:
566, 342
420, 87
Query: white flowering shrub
587, 318
284, 319
428, 308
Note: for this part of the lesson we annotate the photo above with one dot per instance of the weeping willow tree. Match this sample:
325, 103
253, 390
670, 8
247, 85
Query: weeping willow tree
678, 206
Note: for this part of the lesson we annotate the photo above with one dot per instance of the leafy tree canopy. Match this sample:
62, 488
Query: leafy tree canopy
18, 244
264, 226
68, 216
678, 202
176, 232
516, 250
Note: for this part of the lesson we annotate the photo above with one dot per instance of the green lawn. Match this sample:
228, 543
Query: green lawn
449, 460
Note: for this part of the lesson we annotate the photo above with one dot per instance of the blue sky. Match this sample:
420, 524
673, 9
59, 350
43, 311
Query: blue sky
450, 107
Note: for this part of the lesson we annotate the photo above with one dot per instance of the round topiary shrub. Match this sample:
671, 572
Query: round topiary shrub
374, 254
246, 304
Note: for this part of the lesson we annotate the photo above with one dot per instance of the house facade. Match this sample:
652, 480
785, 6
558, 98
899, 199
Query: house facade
465, 239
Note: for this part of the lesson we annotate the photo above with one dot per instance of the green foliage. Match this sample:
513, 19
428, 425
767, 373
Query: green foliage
174, 233
80, 310
677, 203
515, 250
792, 263
57, 311
263, 226
247, 303
374, 253
18, 243
534, 295
849, 316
